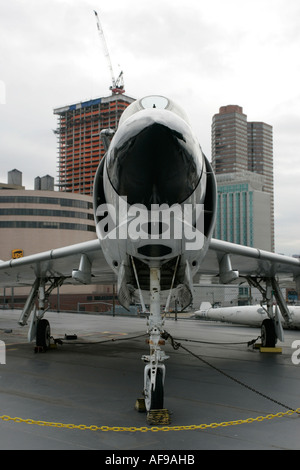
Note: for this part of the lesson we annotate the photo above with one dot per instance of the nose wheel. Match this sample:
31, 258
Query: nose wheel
154, 390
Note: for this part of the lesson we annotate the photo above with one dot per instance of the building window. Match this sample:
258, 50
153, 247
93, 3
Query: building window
52, 225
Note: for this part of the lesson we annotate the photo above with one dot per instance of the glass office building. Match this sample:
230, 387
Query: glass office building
243, 210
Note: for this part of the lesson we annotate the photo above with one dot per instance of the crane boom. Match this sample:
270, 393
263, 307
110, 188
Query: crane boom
117, 85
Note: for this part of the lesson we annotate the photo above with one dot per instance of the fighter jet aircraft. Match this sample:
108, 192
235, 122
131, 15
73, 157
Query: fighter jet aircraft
155, 209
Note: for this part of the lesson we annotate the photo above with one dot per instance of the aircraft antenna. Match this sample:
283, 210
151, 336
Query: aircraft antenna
117, 84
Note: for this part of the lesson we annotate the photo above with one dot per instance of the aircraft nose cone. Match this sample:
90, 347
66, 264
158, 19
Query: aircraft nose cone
157, 165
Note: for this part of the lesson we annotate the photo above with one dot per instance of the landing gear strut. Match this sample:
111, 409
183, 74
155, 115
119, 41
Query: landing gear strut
154, 373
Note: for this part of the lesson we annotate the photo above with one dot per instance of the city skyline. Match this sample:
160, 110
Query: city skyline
51, 56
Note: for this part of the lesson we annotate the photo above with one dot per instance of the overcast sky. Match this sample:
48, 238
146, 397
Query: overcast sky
201, 54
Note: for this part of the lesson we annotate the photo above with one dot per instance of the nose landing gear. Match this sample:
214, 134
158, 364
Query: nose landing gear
155, 370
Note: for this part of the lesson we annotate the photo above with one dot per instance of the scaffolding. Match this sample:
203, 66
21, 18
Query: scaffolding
80, 148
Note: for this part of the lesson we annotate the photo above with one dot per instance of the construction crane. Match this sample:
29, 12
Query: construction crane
117, 86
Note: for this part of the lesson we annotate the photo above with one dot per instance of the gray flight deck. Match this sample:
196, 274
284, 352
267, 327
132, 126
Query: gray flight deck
91, 381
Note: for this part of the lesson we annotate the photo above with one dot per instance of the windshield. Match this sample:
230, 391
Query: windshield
153, 101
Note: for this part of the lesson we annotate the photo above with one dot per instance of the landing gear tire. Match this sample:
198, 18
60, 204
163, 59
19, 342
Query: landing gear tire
43, 334
154, 399
268, 335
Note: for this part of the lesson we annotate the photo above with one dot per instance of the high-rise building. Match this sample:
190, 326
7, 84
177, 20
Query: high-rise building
80, 148
260, 159
229, 140
260, 152
241, 147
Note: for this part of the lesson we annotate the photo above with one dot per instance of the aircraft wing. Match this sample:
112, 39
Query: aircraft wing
247, 261
57, 263
61, 262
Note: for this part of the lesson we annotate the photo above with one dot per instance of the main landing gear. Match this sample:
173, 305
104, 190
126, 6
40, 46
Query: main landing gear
268, 333
271, 328
39, 327
43, 335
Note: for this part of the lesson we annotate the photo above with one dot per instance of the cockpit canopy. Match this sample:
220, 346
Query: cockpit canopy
153, 101
154, 157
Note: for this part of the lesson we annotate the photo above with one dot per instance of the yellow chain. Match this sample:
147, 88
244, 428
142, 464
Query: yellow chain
153, 428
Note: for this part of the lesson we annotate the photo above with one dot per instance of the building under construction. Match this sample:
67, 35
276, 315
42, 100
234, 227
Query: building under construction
80, 148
